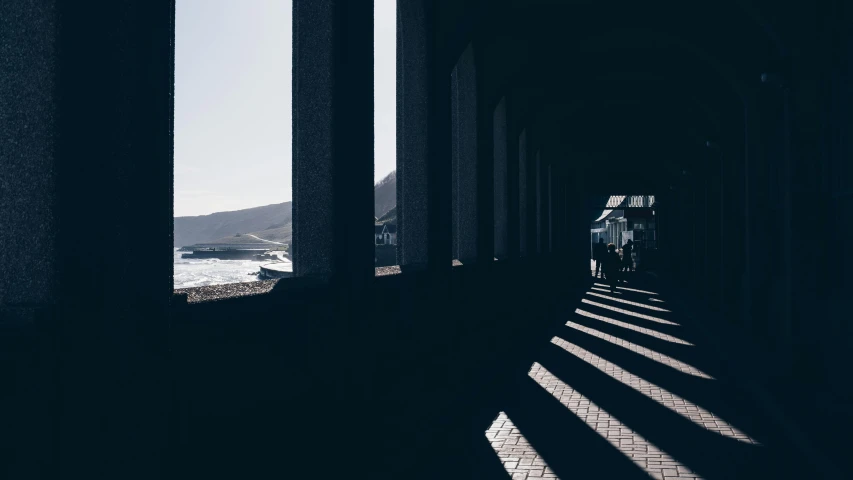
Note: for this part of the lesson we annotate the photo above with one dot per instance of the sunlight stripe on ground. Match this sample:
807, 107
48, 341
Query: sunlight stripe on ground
629, 312
518, 457
630, 326
628, 302
646, 352
598, 289
626, 288
631, 444
681, 406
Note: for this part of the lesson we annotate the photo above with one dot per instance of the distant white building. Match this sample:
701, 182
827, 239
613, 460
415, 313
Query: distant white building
385, 234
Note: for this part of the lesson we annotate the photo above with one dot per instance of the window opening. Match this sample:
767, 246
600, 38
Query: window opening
625, 219
385, 139
232, 157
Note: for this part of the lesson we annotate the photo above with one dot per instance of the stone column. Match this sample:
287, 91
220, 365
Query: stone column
523, 193
413, 88
113, 208
313, 137
485, 169
550, 208
463, 91
538, 201
439, 153
513, 182
501, 203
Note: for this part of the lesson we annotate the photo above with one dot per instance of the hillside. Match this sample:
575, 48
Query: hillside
209, 228
241, 239
389, 217
385, 195
282, 234
270, 222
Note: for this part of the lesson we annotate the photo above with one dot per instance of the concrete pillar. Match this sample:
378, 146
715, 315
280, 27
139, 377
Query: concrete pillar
332, 144
787, 292
28, 169
713, 219
723, 232
692, 218
313, 164
333, 181
751, 136
501, 203
113, 134
487, 193
705, 236
463, 88
830, 263
513, 182
412, 133
538, 201
523, 194
439, 170
760, 213
775, 310
550, 208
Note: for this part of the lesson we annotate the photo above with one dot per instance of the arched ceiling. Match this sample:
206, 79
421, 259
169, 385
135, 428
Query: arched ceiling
636, 83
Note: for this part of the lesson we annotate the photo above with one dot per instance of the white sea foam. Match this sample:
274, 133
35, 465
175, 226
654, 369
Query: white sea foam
193, 272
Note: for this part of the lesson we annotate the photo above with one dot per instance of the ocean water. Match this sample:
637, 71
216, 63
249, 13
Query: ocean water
194, 272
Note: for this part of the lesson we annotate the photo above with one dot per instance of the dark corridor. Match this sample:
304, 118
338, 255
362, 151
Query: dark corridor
514, 119
628, 386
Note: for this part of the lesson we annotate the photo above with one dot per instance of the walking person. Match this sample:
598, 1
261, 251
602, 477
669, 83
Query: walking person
627, 260
611, 266
599, 250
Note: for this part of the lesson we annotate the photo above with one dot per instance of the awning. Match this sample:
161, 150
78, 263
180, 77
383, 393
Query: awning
626, 201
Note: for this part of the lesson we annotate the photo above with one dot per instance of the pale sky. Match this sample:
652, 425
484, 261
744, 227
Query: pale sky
233, 102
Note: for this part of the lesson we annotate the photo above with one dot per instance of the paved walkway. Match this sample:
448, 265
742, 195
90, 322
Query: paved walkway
626, 388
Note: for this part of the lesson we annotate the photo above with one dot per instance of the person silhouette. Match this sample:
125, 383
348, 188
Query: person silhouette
611, 266
627, 260
599, 250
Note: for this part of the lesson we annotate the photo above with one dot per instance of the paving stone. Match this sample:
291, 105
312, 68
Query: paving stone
522, 461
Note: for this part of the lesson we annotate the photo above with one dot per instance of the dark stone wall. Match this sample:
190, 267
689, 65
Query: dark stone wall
29, 71
826, 195
28, 138
28, 398
255, 390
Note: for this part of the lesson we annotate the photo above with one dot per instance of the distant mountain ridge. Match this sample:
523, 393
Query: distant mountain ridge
389, 217
385, 195
270, 222
209, 228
